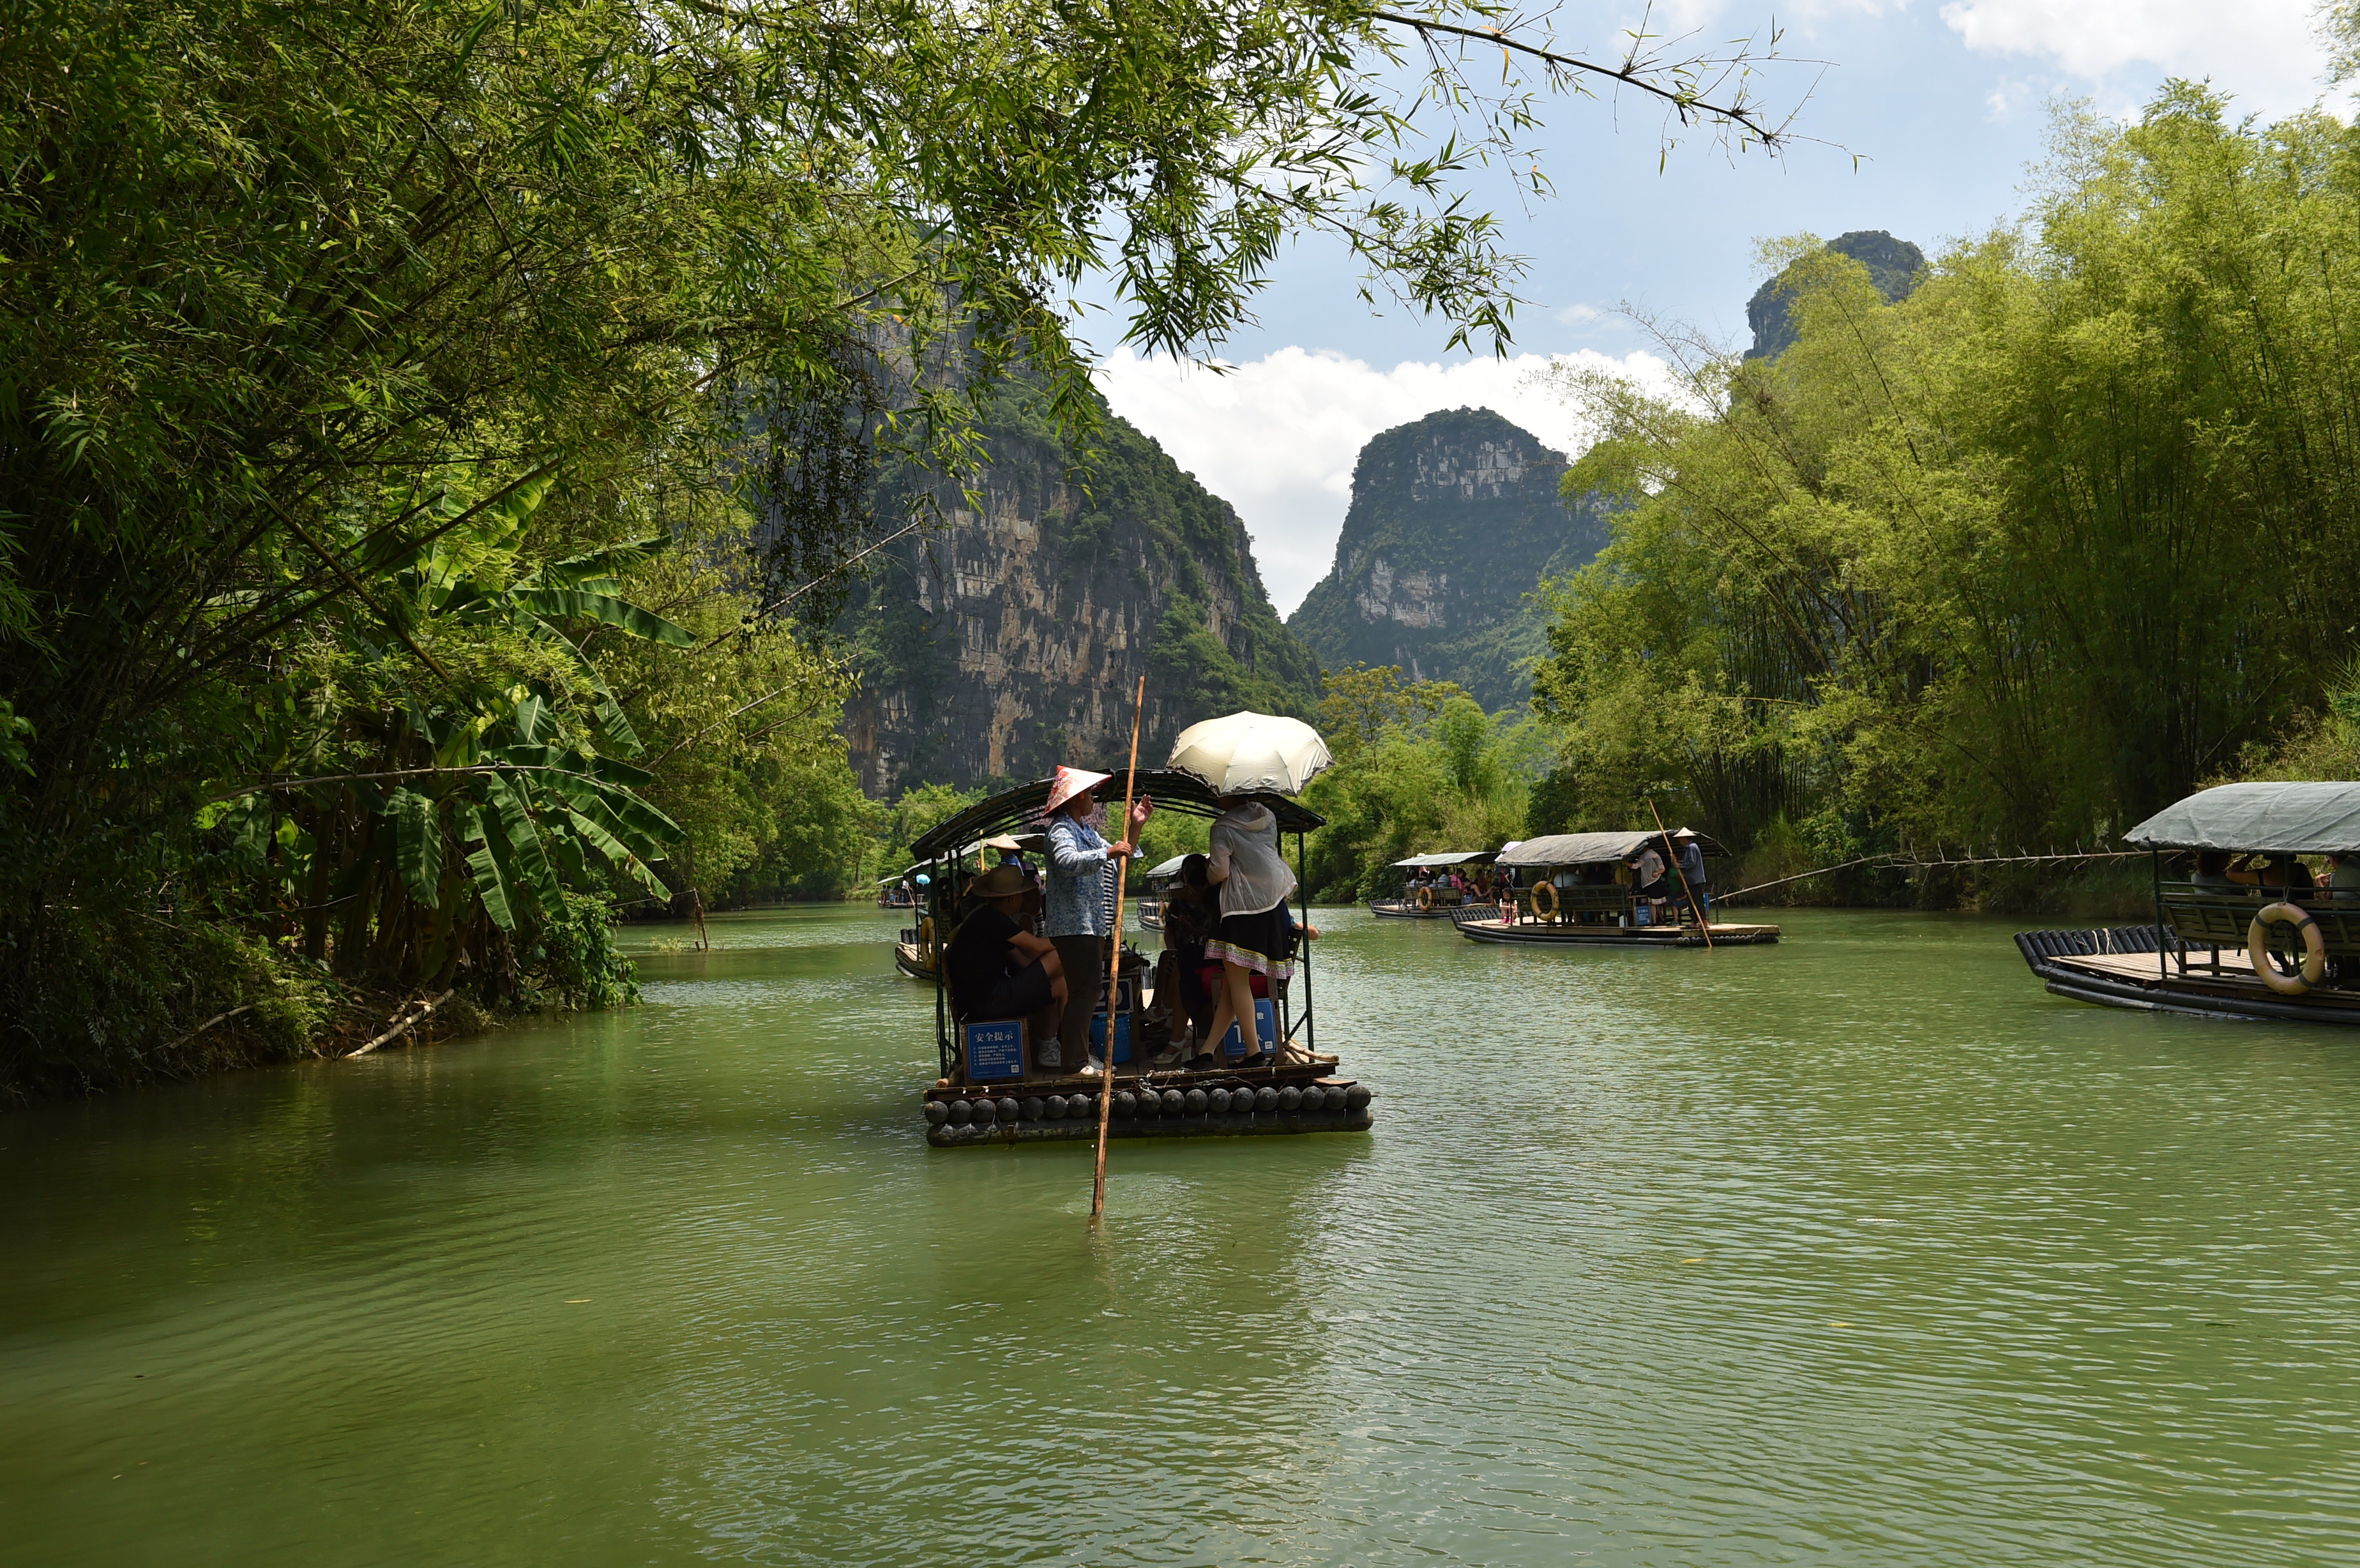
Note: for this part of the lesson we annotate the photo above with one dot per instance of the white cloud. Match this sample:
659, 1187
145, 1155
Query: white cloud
1277, 438
2264, 53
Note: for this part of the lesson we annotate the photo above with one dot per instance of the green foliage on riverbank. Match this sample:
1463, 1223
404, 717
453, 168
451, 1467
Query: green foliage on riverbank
430, 435
1419, 768
2016, 561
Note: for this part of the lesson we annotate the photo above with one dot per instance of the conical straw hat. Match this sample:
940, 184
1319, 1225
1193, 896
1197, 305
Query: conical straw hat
1069, 782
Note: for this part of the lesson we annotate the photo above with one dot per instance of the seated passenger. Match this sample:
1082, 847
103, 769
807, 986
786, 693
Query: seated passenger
1191, 917
2213, 874
2344, 877
2242, 872
997, 969
2283, 875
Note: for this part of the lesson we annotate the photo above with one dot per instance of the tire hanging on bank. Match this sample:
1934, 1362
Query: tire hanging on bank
2314, 947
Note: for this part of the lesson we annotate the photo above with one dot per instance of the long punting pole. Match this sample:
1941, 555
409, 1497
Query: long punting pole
1114, 964
1310, 1029
1674, 855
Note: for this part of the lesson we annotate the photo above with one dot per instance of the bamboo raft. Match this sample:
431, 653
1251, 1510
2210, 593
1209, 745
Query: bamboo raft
1010, 1100
914, 954
1583, 897
1246, 1102
1436, 903
2213, 932
1486, 924
2126, 967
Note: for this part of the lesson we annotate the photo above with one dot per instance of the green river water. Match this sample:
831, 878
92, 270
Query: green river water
1856, 1250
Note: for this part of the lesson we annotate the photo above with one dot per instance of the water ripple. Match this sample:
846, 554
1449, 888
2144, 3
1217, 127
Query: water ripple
1859, 1249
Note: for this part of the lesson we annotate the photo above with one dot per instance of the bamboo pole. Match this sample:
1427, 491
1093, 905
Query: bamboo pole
1114, 964
1673, 854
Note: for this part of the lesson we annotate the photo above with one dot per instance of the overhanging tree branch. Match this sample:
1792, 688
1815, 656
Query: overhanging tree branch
1634, 71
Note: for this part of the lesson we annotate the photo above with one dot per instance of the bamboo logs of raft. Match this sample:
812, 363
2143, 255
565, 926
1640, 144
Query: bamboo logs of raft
1148, 1111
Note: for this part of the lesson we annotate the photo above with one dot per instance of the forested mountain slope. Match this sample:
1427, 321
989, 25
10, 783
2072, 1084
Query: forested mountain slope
1008, 639
1454, 519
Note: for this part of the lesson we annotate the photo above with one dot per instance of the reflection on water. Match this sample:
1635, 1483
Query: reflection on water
1856, 1250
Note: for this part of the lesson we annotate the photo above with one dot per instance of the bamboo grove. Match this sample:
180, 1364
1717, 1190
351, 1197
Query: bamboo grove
433, 433
2069, 531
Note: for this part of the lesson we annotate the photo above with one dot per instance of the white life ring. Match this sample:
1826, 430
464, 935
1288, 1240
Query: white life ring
2314, 949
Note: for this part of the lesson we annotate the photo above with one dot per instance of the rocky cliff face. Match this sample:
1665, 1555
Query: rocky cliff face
1012, 637
1454, 519
1893, 265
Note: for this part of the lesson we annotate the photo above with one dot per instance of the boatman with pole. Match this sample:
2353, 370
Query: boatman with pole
1075, 887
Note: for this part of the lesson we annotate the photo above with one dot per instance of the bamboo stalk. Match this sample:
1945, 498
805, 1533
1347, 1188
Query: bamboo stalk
405, 1025
1114, 964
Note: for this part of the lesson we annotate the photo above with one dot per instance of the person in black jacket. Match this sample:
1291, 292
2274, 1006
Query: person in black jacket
997, 969
1192, 914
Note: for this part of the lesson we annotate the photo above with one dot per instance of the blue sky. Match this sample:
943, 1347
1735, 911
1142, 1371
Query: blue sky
1934, 111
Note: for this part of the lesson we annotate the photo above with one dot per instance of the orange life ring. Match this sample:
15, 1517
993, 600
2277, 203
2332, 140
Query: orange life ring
1539, 888
1425, 898
2314, 947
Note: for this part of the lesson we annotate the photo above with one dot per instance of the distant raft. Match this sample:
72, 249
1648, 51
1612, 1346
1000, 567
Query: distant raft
1576, 893
1414, 901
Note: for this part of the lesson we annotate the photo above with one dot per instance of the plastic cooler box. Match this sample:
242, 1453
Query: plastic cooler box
1265, 1030
1122, 1035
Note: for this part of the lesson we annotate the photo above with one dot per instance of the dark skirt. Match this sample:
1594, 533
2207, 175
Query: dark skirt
1256, 941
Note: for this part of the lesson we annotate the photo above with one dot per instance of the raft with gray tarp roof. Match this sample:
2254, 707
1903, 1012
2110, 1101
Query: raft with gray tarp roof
1569, 897
2276, 949
1429, 903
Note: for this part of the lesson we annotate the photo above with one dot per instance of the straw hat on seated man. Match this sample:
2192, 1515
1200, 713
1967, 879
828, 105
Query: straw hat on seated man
997, 969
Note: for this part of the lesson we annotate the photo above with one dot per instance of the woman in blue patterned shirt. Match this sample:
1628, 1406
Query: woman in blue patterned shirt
1079, 889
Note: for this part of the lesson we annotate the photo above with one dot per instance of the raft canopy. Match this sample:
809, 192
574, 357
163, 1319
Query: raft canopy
1591, 848
1171, 792
1167, 870
1448, 857
2320, 818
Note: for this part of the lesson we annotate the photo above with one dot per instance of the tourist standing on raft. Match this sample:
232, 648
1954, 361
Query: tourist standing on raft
1078, 887
1246, 867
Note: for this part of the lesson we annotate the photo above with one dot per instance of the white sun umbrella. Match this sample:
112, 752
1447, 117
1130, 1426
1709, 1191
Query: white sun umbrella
1250, 754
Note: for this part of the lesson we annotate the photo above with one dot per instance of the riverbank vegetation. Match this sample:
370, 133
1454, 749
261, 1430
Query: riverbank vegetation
432, 435
1419, 766
2064, 535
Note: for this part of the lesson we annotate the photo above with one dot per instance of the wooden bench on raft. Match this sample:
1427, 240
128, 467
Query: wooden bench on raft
2209, 919
1612, 902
